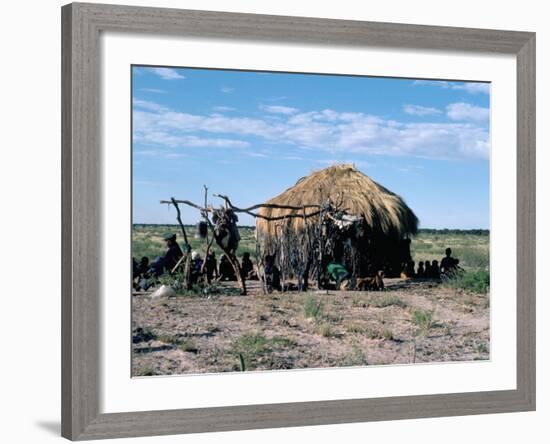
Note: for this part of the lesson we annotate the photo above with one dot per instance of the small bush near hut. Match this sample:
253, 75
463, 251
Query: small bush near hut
474, 281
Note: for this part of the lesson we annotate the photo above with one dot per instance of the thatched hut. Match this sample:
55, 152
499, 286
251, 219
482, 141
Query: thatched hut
341, 214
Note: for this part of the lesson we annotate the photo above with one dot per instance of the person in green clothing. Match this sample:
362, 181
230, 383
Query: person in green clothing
337, 272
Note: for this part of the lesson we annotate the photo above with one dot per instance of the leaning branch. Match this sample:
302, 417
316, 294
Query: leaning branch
263, 205
249, 210
175, 203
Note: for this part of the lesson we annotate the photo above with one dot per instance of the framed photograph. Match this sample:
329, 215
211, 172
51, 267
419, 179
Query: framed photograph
278, 221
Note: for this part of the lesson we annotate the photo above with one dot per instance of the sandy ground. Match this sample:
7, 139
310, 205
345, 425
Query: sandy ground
410, 322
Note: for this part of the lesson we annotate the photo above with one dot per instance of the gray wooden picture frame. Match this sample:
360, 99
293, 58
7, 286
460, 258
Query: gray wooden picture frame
81, 172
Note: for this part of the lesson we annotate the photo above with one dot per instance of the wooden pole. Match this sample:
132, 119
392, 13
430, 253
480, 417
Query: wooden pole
186, 255
178, 217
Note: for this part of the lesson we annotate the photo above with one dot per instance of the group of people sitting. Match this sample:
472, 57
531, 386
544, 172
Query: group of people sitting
433, 269
338, 274
225, 271
144, 270
210, 270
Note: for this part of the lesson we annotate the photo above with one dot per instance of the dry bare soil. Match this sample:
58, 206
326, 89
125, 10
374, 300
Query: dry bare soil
412, 321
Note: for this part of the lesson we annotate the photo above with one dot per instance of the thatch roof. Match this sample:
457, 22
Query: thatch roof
384, 212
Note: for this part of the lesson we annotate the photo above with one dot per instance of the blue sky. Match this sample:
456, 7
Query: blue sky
251, 135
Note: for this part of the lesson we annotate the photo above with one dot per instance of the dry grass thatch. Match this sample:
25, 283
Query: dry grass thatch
384, 212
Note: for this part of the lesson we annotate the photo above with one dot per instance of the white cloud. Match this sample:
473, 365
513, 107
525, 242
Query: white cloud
160, 153
278, 109
470, 87
158, 125
167, 139
466, 112
223, 108
337, 133
277, 99
153, 90
149, 106
474, 87
418, 110
227, 90
167, 73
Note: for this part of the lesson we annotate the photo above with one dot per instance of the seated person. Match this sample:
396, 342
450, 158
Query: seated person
143, 266
196, 267
449, 263
420, 272
336, 272
227, 273
434, 271
247, 268
211, 266
272, 273
135, 268
141, 274
408, 270
427, 269
171, 257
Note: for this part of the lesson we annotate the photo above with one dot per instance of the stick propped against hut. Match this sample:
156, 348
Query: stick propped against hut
359, 224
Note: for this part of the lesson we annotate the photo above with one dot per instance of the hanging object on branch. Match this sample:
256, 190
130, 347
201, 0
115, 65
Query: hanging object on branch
202, 230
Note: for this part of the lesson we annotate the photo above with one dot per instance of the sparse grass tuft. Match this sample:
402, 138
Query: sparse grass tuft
143, 335
250, 347
326, 331
188, 346
375, 333
482, 347
387, 334
355, 358
423, 320
386, 301
313, 308
355, 328
251, 344
185, 345
282, 342
148, 370
168, 339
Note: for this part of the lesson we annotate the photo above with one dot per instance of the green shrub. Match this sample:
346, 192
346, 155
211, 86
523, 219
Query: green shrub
474, 281
472, 257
